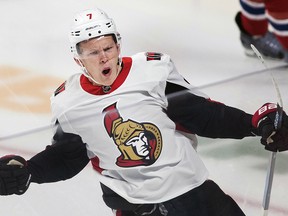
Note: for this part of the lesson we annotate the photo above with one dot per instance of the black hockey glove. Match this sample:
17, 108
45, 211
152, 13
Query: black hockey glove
14, 175
272, 124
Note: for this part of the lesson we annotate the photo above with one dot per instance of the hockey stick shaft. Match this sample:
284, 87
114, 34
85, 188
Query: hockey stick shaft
277, 124
268, 184
272, 77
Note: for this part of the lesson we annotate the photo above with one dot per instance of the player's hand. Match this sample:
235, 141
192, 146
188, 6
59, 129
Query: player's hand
272, 127
14, 175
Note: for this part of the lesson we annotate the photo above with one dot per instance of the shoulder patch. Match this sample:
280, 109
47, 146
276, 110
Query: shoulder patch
60, 89
153, 56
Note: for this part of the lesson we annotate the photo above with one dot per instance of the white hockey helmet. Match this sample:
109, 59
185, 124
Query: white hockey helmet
90, 24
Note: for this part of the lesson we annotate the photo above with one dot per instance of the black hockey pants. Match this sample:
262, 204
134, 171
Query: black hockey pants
206, 200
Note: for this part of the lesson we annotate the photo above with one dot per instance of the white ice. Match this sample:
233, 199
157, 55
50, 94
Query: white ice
202, 39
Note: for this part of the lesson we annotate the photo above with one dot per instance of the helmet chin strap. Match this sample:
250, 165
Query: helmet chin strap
87, 74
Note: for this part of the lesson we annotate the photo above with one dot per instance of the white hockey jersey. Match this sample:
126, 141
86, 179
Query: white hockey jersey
133, 145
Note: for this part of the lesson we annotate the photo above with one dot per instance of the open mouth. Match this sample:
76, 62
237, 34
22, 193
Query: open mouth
106, 71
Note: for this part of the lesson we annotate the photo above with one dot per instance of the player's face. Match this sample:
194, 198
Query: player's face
100, 57
140, 144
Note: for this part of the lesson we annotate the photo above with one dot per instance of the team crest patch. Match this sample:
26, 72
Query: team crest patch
139, 143
60, 89
153, 56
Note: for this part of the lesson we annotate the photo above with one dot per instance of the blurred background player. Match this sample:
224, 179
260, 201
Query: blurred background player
264, 23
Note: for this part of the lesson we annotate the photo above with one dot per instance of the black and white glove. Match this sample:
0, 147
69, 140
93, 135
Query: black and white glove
14, 175
271, 124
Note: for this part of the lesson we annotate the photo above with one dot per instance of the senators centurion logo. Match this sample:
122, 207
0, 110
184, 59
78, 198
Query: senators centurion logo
139, 144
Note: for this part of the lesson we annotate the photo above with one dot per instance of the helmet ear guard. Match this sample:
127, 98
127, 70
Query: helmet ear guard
91, 24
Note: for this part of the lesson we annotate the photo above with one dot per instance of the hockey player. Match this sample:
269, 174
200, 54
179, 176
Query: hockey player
128, 115
253, 21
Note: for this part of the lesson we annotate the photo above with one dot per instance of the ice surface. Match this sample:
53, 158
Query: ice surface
203, 41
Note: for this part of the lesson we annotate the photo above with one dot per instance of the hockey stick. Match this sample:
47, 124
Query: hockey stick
277, 125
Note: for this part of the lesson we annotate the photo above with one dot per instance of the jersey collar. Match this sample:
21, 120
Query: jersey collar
97, 90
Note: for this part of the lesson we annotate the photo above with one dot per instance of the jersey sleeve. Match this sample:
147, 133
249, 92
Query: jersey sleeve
198, 114
62, 98
176, 79
62, 160
209, 119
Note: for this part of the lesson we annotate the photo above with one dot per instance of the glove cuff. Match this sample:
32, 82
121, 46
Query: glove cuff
262, 112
